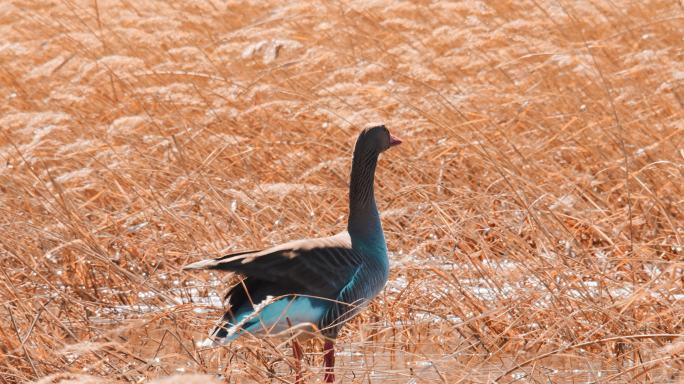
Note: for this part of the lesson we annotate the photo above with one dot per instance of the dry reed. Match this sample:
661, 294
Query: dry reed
535, 211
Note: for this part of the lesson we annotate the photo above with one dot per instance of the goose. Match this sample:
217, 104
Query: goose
312, 285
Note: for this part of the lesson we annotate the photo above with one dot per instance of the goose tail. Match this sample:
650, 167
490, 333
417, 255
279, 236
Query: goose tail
204, 264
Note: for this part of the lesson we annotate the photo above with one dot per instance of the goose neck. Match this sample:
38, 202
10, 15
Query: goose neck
363, 213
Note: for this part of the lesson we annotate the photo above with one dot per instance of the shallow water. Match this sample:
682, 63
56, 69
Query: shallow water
415, 350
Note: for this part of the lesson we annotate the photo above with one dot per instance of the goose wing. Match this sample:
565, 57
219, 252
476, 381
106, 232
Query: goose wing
318, 267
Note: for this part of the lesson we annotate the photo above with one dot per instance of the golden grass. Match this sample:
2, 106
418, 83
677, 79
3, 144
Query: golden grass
535, 210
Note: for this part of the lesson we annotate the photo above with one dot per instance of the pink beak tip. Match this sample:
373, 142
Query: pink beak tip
394, 141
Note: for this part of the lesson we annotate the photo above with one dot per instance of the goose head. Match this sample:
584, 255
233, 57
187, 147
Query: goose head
376, 140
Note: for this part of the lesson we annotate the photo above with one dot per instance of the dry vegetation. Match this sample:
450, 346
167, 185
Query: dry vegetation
535, 211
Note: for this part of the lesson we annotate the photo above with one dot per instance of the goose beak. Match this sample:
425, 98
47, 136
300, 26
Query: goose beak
394, 141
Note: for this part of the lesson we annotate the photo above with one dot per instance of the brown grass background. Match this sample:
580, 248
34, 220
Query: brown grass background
535, 211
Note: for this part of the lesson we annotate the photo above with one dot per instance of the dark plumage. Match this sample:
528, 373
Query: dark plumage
315, 285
